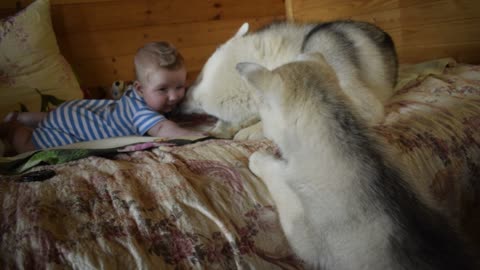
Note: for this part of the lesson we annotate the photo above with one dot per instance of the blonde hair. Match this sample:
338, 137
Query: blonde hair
156, 55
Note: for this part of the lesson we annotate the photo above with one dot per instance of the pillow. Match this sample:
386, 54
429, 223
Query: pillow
34, 76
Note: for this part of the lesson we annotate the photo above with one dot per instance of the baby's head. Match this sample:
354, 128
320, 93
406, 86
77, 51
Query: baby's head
161, 76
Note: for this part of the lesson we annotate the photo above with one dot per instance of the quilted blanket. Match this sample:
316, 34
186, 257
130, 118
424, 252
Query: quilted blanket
198, 206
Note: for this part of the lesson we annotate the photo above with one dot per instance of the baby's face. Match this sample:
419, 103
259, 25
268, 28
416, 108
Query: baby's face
164, 89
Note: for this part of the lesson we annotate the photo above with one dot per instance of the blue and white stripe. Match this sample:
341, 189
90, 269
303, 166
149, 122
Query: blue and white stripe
94, 119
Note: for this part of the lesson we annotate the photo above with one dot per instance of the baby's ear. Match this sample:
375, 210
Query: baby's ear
255, 74
138, 87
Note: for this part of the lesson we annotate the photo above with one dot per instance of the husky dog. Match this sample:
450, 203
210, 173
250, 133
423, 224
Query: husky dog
362, 55
341, 203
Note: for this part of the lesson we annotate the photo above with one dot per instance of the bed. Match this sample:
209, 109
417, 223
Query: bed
192, 203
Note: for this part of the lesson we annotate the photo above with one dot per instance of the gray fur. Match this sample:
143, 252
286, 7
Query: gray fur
342, 203
361, 54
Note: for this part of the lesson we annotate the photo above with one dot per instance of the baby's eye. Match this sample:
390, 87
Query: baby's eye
163, 89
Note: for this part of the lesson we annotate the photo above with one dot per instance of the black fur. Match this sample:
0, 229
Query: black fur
422, 238
342, 40
376, 34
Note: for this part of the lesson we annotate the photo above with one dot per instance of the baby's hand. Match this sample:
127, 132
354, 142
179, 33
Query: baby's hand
169, 129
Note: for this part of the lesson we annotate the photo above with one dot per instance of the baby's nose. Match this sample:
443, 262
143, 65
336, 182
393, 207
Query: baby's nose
174, 96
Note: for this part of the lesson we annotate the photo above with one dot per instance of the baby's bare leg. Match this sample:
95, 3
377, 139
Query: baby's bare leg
31, 119
22, 140
18, 136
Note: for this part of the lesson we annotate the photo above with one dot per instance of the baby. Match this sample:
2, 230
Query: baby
159, 87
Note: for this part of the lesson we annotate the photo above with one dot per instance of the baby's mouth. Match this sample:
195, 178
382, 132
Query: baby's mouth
170, 107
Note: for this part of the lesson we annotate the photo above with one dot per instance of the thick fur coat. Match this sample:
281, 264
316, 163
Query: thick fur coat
341, 203
361, 54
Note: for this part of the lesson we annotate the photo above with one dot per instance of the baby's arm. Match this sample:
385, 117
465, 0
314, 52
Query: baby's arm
170, 129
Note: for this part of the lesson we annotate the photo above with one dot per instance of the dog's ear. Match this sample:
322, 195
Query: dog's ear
255, 74
242, 31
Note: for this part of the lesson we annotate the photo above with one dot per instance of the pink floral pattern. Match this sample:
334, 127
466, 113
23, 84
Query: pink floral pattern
167, 207
34, 63
9, 26
198, 206
434, 125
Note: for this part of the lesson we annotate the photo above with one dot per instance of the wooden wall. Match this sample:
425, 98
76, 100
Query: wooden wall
99, 37
421, 29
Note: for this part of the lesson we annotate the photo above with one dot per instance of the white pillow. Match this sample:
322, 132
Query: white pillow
31, 66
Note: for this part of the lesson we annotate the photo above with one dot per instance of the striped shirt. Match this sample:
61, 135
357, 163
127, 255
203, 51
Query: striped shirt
94, 119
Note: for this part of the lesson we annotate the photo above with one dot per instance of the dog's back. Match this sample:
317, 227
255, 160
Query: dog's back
361, 54
359, 47
354, 210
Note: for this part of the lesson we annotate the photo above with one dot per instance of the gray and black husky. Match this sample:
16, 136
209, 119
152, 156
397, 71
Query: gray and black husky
362, 55
341, 202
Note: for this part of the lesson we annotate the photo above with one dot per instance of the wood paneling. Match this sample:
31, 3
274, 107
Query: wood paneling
103, 15
99, 37
422, 30
111, 53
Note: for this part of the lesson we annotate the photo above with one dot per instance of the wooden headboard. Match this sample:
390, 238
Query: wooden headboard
421, 29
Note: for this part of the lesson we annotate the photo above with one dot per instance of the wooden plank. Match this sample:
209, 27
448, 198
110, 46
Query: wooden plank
460, 30
8, 8
24, 3
103, 71
462, 52
63, 2
420, 29
109, 43
101, 57
5, 12
86, 17
8, 4
289, 9
311, 10
388, 14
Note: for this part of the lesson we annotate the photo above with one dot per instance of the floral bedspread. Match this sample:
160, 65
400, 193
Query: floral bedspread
433, 124
191, 207
197, 206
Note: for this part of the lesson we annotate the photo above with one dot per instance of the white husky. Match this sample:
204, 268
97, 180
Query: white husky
362, 55
341, 203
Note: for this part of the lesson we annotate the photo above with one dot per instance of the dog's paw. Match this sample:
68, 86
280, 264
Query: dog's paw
253, 132
223, 130
258, 161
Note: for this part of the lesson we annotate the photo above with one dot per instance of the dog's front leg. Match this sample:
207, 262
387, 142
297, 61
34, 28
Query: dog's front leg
224, 130
252, 132
291, 211
272, 171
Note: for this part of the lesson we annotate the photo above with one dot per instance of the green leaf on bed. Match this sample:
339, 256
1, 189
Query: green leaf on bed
26, 161
49, 157
59, 156
56, 156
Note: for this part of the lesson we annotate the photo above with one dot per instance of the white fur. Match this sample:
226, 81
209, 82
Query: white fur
220, 92
314, 188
